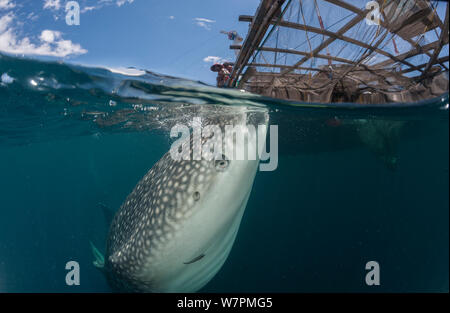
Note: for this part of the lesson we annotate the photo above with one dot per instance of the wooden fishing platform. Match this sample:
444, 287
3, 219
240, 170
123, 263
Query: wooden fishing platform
355, 54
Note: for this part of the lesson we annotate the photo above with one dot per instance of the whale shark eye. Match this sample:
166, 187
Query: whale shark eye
221, 165
196, 196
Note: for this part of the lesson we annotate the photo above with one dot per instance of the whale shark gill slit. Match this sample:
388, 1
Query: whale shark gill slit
195, 259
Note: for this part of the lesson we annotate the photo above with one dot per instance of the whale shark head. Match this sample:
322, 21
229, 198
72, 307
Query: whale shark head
176, 228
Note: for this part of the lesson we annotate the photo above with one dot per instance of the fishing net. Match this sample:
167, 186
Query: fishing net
351, 51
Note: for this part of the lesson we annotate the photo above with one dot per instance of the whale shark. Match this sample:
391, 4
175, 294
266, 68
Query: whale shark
176, 228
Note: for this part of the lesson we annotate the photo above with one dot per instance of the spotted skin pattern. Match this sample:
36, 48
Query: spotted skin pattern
152, 215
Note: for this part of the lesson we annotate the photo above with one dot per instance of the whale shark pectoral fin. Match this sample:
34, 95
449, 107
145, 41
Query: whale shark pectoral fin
195, 259
99, 261
108, 213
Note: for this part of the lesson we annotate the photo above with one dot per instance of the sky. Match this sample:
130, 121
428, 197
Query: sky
173, 37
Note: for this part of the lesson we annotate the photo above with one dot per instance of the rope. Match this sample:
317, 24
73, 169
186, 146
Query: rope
323, 28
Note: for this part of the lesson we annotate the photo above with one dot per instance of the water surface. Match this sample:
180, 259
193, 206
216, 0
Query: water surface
353, 184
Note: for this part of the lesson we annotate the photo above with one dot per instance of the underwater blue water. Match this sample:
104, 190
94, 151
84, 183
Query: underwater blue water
352, 184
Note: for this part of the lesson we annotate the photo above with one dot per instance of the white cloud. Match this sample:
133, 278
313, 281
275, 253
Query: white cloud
171, 17
87, 9
6, 4
50, 42
32, 16
214, 59
49, 36
55, 5
52, 4
5, 21
122, 2
201, 19
204, 22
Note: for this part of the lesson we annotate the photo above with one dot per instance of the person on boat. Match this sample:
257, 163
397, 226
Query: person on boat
223, 73
216, 67
228, 66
